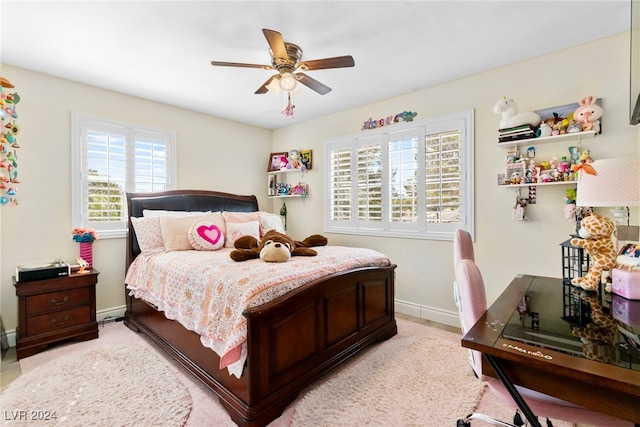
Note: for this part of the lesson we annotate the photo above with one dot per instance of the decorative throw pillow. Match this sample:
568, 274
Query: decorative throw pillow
206, 236
235, 230
240, 216
175, 229
269, 221
148, 233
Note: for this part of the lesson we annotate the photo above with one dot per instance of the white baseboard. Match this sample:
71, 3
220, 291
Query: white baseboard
114, 312
428, 313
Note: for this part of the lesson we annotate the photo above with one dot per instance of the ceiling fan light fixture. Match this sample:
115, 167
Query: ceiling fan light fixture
288, 82
274, 85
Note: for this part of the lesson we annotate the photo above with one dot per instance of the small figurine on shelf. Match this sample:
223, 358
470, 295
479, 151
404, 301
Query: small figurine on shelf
585, 160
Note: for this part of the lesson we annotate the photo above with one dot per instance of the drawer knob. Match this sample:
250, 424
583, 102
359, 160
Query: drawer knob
56, 302
55, 322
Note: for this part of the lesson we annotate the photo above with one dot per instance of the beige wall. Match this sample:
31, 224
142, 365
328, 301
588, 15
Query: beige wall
503, 247
39, 229
212, 153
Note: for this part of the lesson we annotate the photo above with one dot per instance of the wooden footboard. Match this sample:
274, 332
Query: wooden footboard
291, 341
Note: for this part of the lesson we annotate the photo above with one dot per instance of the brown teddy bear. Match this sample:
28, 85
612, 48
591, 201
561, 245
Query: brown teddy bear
275, 247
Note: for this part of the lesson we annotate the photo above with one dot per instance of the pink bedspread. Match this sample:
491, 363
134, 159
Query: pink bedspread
207, 291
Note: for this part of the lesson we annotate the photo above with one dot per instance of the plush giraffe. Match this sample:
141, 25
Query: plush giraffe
596, 232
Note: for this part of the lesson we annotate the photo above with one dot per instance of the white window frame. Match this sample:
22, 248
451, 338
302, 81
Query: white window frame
421, 229
82, 123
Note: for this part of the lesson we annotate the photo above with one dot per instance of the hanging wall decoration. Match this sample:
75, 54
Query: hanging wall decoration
405, 116
8, 144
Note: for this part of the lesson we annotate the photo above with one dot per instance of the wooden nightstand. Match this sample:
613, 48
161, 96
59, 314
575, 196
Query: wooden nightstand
54, 310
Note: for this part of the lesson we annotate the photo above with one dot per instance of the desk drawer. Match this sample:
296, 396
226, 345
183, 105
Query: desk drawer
57, 321
56, 301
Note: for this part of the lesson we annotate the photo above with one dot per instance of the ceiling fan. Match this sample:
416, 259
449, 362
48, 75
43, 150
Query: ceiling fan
286, 59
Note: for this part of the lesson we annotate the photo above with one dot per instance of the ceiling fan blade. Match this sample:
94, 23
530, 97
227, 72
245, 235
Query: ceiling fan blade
312, 83
239, 64
263, 89
336, 62
276, 43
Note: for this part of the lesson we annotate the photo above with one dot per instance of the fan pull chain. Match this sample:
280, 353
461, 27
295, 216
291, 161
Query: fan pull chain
289, 109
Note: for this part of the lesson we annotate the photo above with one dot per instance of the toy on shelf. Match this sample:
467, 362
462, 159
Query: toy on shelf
508, 108
588, 114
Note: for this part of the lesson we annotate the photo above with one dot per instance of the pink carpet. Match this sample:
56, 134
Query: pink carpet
206, 409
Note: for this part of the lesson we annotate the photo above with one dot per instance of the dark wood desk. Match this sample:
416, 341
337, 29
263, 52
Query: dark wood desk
546, 365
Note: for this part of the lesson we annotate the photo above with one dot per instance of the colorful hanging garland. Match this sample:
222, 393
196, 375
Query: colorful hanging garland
405, 116
8, 145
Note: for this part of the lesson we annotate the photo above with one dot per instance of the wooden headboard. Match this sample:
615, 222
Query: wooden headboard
182, 200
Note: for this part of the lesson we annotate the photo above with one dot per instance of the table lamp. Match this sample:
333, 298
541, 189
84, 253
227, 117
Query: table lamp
616, 184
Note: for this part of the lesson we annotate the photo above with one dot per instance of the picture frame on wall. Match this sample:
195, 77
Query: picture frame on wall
306, 158
274, 161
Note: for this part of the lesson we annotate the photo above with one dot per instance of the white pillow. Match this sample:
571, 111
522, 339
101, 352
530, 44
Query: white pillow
157, 212
175, 230
269, 221
206, 236
235, 230
148, 233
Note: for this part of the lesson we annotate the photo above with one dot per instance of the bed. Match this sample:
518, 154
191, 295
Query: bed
290, 341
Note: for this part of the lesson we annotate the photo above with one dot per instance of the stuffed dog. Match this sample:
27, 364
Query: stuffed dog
275, 247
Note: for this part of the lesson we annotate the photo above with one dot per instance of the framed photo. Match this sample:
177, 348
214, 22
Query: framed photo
306, 158
274, 161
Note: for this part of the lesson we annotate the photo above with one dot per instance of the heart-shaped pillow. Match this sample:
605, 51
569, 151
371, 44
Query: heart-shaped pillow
206, 236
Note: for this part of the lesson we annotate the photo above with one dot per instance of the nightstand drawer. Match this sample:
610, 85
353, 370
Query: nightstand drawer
57, 321
56, 301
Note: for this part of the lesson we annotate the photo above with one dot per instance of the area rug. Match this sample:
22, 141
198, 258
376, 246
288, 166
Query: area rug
125, 385
412, 381
420, 377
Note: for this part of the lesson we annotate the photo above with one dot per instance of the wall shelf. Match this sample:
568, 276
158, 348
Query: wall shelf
288, 196
539, 184
287, 171
558, 138
276, 179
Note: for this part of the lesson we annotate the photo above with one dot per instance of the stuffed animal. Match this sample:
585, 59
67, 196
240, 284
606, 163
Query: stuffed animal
588, 114
275, 247
596, 232
508, 108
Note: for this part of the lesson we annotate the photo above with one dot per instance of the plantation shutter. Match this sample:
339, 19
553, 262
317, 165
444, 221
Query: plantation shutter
110, 159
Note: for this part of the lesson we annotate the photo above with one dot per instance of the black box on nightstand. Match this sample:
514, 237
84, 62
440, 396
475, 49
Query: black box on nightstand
28, 273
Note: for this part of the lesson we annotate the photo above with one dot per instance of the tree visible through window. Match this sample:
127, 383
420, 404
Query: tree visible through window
410, 180
111, 158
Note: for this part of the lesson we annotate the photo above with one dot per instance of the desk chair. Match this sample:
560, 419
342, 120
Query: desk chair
472, 303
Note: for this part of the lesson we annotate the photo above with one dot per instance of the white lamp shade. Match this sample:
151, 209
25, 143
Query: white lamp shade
616, 183
274, 85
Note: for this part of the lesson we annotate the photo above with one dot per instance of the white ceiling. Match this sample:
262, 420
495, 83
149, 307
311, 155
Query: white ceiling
161, 50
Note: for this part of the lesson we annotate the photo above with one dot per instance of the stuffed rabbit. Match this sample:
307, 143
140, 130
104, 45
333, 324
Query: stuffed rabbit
588, 114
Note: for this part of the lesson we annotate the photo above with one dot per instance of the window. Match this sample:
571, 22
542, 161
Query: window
110, 158
410, 180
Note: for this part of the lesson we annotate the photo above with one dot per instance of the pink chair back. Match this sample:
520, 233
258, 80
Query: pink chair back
472, 302
462, 246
